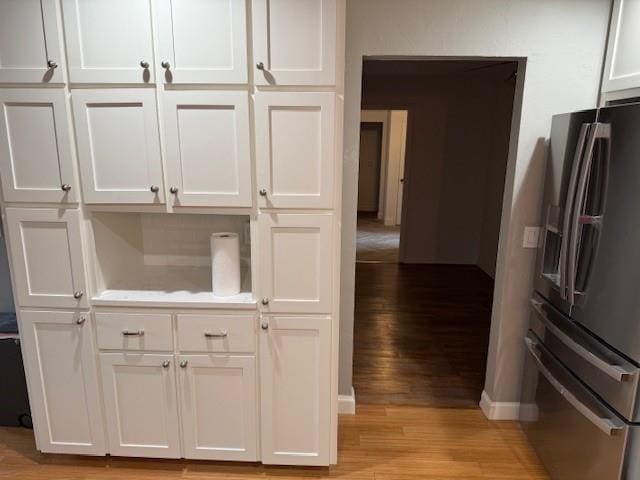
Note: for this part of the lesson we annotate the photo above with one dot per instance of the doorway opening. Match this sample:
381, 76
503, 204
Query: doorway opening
380, 185
428, 235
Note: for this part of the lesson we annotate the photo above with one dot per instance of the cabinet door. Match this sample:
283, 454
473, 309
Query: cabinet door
29, 42
40, 171
622, 65
46, 252
295, 149
207, 141
118, 145
204, 41
218, 402
294, 42
140, 404
62, 375
295, 391
109, 41
296, 260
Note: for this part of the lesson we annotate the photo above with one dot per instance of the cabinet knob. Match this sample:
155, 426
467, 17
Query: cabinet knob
65, 187
264, 326
51, 64
183, 364
260, 66
166, 364
155, 188
166, 65
265, 301
144, 64
81, 320
263, 192
78, 295
173, 190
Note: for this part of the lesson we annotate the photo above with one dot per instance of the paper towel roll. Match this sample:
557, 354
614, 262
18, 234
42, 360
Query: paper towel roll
225, 264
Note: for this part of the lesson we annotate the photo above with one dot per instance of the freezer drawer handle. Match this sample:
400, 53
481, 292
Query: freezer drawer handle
607, 425
616, 372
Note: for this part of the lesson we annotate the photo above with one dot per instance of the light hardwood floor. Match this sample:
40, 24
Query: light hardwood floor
378, 443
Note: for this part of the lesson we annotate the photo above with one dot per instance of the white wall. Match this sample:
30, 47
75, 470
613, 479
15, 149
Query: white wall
563, 43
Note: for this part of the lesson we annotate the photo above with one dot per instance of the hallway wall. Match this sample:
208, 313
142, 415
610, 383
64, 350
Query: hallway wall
561, 42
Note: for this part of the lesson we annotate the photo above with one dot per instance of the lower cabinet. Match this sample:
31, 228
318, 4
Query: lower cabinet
218, 402
295, 390
141, 404
63, 381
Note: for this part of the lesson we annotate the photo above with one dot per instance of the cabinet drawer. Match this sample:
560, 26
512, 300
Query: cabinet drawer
133, 331
216, 333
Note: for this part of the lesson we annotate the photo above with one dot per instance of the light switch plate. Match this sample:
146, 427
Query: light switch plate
531, 237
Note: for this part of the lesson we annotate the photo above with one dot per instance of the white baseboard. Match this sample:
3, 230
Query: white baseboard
347, 403
499, 410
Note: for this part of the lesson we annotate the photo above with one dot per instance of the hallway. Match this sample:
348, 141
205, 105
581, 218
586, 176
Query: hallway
421, 334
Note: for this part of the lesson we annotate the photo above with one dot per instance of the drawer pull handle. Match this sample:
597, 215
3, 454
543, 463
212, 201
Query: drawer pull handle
183, 364
81, 320
221, 334
78, 295
166, 364
137, 333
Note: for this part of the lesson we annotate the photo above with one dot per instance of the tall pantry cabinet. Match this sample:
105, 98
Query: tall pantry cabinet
131, 130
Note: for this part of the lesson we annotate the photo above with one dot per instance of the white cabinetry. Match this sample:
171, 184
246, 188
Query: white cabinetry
141, 404
295, 390
63, 381
295, 149
30, 50
219, 403
46, 253
208, 148
118, 145
42, 170
294, 42
295, 273
622, 64
109, 41
202, 41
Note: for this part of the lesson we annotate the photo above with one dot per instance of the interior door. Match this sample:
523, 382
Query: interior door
62, 375
219, 404
295, 391
294, 42
109, 41
202, 41
30, 50
140, 404
295, 149
207, 143
39, 171
46, 255
117, 132
296, 262
370, 165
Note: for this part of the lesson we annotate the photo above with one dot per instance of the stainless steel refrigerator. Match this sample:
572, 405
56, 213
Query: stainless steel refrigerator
580, 405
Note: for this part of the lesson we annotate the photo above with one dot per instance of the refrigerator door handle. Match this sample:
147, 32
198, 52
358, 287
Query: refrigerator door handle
618, 373
597, 131
568, 207
606, 425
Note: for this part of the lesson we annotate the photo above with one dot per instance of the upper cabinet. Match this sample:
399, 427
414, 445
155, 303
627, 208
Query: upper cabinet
622, 65
201, 41
30, 50
295, 149
36, 171
207, 141
109, 41
118, 145
294, 42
